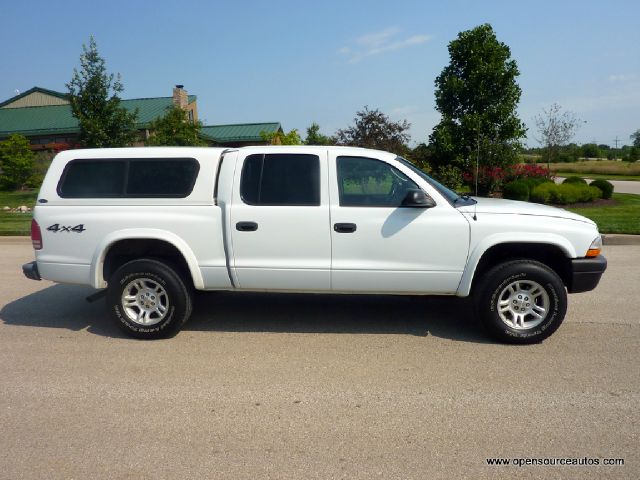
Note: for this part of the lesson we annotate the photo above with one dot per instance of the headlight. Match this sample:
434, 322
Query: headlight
595, 247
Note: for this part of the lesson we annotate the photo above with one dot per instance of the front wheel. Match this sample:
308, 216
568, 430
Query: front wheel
522, 301
148, 299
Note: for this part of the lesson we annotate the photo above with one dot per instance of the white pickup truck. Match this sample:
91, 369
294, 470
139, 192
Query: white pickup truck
149, 225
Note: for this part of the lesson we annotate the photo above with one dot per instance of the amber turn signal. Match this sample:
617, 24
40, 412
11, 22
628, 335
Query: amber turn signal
595, 247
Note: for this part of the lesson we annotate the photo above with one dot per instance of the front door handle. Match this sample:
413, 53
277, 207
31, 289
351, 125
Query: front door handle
246, 226
345, 227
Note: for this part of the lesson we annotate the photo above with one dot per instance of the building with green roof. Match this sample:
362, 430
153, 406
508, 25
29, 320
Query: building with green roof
44, 117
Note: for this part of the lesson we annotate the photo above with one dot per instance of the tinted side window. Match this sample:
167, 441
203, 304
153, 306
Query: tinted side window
250, 181
281, 179
366, 182
86, 179
169, 177
166, 178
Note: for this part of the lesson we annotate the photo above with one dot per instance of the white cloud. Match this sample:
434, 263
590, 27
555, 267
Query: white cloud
373, 40
376, 43
622, 77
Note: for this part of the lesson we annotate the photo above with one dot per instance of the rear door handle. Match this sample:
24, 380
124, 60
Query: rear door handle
246, 226
345, 227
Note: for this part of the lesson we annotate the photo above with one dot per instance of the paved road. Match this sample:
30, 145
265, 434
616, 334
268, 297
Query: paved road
304, 387
619, 186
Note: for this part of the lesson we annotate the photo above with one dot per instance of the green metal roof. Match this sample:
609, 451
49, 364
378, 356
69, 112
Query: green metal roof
239, 132
57, 119
30, 121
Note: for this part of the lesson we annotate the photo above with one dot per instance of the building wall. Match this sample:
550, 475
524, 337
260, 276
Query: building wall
192, 111
36, 99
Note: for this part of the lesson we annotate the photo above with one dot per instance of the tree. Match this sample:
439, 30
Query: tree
373, 129
421, 156
174, 129
635, 136
281, 138
16, 162
95, 102
555, 129
591, 150
633, 155
314, 137
477, 96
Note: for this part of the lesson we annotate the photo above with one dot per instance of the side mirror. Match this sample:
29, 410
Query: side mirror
417, 199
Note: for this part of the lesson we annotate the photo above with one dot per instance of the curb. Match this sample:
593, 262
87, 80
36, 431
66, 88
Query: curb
619, 239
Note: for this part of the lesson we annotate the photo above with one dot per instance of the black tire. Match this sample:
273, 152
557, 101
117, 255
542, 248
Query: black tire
169, 310
497, 290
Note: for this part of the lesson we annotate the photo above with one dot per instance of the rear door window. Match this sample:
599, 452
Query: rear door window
281, 179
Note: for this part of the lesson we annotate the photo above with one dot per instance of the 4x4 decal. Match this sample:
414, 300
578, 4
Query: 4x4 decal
56, 227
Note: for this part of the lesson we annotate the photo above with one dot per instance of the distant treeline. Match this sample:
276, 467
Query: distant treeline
574, 152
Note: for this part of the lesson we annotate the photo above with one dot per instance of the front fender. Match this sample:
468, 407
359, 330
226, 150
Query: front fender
464, 288
97, 262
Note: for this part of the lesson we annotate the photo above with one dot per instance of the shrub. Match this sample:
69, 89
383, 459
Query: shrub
595, 193
542, 193
575, 179
489, 179
16, 162
516, 190
604, 186
533, 182
527, 171
564, 194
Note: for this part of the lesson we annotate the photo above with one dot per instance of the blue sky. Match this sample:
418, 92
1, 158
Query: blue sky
298, 62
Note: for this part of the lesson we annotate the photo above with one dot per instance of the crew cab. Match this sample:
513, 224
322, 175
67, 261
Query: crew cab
147, 226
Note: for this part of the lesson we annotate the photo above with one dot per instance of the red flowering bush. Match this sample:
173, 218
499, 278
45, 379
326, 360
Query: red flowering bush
526, 171
491, 179
58, 147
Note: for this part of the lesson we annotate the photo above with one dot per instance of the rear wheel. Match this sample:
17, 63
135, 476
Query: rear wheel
522, 301
148, 299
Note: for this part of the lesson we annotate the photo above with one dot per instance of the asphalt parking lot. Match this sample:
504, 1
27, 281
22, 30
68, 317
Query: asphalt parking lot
306, 386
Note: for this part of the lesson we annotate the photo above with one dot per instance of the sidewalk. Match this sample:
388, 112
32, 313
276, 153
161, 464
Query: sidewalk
619, 186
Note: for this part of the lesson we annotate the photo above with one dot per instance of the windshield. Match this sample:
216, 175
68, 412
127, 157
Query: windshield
451, 196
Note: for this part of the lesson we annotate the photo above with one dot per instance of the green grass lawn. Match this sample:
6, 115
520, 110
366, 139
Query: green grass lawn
622, 217
16, 223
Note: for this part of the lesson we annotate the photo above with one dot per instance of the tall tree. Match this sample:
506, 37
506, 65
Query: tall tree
555, 129
635, 136
16, 162
175, 129
374, 129
281, 138
95, 102
314, 137
477, 96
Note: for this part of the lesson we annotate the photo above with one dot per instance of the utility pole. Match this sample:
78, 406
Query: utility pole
615, 153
